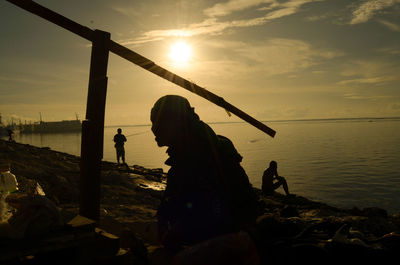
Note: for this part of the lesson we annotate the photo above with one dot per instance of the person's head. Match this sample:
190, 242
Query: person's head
170, 117
119, 130
273, 164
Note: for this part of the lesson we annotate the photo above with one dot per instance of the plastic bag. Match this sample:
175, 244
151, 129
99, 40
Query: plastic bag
8, 182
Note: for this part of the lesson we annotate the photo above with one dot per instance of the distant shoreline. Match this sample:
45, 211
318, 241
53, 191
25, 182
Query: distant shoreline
289, 120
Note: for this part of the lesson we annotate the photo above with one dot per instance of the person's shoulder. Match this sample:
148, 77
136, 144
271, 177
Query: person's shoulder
227, 148
268, 171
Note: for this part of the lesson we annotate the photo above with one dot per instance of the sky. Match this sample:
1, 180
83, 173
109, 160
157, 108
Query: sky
273, 59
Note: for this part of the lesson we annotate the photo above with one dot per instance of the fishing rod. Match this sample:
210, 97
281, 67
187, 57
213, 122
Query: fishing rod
137, 133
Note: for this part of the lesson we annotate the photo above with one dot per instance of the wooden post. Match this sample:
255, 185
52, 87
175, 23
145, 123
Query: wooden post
93, 128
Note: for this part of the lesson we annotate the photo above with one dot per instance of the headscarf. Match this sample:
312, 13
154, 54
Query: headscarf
173, 107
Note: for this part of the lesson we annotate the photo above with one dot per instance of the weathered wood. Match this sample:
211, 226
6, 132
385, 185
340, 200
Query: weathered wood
93, 128
140, 61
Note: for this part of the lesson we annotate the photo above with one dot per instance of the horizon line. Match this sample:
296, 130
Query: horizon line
284, 120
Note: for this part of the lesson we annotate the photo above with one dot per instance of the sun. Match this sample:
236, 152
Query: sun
180, 53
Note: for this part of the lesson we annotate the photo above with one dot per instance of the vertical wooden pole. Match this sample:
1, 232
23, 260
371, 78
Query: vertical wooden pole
93, 128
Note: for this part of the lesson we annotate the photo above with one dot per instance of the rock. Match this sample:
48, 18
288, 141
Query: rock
129, 240
152, 178
31, 186
291, 229
236, 248
159, 256
271, 226
289, 211
374, 212
36, 215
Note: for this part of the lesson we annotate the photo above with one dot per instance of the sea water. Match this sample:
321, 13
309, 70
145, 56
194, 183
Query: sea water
343, 162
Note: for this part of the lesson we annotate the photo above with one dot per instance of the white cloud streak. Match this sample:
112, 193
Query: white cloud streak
129, 12
223, 9
368, 73
390, 50
357, 96
371, 80
390, 25
26, 81
368, 9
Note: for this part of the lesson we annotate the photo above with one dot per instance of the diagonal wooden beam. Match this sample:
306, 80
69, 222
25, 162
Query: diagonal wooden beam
139, 60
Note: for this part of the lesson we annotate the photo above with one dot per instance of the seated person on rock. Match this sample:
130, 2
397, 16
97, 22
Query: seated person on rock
271, 180
208, 193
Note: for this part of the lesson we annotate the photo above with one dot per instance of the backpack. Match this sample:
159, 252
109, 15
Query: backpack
242, 199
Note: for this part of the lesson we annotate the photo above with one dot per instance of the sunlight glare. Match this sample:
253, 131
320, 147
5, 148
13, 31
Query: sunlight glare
180, 53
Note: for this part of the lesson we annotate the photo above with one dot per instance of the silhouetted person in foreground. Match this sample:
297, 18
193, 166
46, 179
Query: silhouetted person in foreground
208, 193
271, 180
120, 140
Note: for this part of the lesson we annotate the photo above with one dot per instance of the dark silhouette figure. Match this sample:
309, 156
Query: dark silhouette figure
208, 193
120, 140
271, 180
10, 134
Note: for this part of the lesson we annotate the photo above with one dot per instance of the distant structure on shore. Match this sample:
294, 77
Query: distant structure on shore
51, 126
42, 126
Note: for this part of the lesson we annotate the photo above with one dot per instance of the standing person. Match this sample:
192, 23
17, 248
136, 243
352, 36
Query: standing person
271, 180
120, 140
10, 135
208, 193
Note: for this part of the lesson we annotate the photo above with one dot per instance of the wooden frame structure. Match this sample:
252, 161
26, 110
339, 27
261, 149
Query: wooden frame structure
93, 126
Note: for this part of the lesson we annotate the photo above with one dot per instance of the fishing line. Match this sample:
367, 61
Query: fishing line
137, 133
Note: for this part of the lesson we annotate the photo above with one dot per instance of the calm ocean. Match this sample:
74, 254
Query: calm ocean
345, 163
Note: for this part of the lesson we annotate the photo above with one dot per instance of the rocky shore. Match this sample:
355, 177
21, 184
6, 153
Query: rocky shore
291, 229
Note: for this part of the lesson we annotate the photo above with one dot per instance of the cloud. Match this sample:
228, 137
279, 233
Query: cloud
368, 9
317, 17
319, 72
223, 9
280, 56
368, 80
126, 11
395, 106
274, 57
356, 96
26, 81
390, 25
362, 72
212, 26
390, 50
